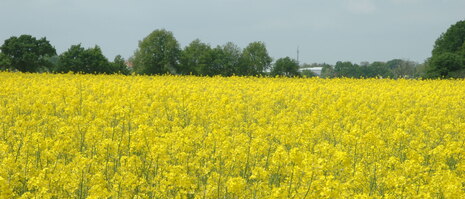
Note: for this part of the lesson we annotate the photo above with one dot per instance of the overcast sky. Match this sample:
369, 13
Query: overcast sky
324, 30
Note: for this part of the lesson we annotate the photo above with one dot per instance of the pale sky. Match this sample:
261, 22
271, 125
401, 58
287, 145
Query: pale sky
324, 30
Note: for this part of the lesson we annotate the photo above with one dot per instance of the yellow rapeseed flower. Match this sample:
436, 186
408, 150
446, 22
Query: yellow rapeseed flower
101, 136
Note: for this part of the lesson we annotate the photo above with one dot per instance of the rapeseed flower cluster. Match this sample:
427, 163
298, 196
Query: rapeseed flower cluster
100, 136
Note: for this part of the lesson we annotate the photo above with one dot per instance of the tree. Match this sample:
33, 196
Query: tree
453, 40
230, 59
375, 69
421, 69
255, 59
27, 54
4, 62
402, 68
225, 60
448, 54
78, 59
447, 65
54, 62
195, 58
327, 71
158, 53
119, 65
286, 67
347, 69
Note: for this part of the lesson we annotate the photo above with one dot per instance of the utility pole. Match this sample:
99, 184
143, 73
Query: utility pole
297, 54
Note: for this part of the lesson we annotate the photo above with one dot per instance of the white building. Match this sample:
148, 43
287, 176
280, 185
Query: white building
316, 70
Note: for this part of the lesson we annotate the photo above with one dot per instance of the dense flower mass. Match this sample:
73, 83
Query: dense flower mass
101, 136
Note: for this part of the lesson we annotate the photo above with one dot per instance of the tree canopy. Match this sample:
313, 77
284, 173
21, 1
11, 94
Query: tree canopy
195, 58
448, 55
347, 69
79, 59
375, 69
119, 65
158, 53
227, 59
26, 53
5, 62
255, 59
286, 67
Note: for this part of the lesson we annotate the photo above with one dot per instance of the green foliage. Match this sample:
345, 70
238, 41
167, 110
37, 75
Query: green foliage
229, 62
308, 73
196, 58
26, 54
396, 68
285, 67
453, 40
375, 69
119, 65
225, 60
78, 59
446, 65
394, 63
448, 55
255, 59
327, 71
158, 53
54, 62
200, 59
216, 64
347, 69
4, 62
421, 69
402, 68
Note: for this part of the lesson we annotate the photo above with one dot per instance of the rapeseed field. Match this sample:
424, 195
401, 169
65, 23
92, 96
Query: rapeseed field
114, 136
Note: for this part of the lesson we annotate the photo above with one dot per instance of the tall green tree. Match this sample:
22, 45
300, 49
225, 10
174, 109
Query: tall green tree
217, 63
195, 58
347, 69
79, 59
54, 61
5, 62
119, 65
225, 60
402, 68
453, 40
255, 59
285, 67
375, 69
447, 65
230, 59
448, 54
158, 53
26, 53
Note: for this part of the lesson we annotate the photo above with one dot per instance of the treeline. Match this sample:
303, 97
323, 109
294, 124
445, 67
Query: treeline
396, 68
160, 53
28, 54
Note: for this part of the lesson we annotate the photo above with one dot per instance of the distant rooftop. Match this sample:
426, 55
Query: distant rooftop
316, 70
